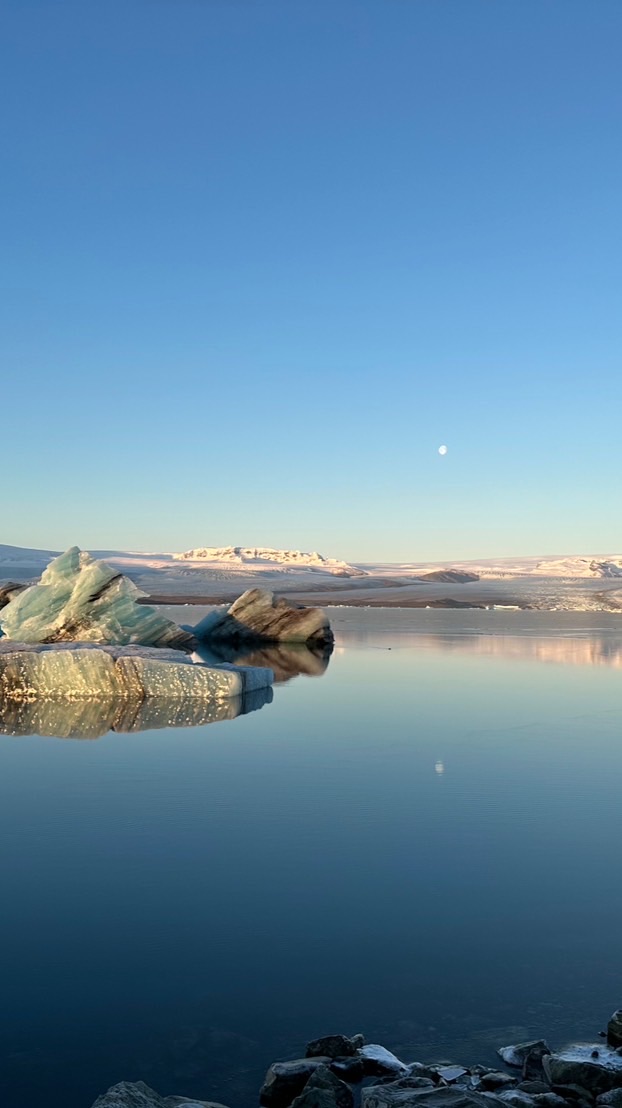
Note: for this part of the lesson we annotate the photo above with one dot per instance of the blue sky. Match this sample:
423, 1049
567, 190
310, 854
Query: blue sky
260, 259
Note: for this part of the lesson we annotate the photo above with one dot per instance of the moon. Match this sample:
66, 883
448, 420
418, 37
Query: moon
442, 450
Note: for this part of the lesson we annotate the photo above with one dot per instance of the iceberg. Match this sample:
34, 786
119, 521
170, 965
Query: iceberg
80, 599
261, 617
84, 671
9, 591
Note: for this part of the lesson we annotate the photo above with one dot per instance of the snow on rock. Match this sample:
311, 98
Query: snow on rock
382, 1061
516, 1054
593, 1066
79, 599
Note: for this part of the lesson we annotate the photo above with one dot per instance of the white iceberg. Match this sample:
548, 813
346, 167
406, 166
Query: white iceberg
79, 599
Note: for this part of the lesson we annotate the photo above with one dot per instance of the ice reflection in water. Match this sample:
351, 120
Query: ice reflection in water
91, 719
286, 660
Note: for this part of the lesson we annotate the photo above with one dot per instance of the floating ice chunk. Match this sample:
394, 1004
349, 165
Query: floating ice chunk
84, 672
79, 599
258, 615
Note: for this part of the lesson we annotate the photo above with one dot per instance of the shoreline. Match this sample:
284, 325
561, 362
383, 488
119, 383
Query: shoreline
341, 1071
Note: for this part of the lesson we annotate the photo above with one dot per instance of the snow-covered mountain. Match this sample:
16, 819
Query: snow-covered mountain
554, 582
586, 566
266, 557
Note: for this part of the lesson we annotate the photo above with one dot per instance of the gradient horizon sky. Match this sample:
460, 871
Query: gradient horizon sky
261, 259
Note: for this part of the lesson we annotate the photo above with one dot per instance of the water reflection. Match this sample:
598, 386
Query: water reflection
561, 638
90, 719
593, 651
286, 660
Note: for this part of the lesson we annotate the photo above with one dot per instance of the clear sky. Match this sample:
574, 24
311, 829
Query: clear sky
260, 258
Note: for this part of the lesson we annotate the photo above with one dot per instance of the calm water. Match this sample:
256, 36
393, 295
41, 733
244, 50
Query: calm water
422, 844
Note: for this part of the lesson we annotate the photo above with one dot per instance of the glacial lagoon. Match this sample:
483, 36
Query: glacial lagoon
418, 840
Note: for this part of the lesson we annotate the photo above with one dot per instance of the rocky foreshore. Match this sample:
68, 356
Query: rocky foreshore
340, 1071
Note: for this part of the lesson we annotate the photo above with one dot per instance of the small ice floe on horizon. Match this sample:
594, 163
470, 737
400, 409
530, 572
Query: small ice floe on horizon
439, 767
442, 450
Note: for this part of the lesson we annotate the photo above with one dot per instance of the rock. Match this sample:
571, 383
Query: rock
614, 1029
378, 1061
515, 1098
411, 1081
350, 1068
331, 1046
86, 671
130, 1094
595, 1067
261, 617
549, 1100
533, 1069
417, 1069
449, 1074
534, 1087
189, 1102
515, 1055
571, 1092
285, 1080
324, 1090
612, 1099
453, 1096
79, 599
135, 1094
357, 1041
497, 1080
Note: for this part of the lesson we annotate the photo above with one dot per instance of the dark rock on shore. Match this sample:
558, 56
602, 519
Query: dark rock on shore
614, 1029
135, 1094
285, 1080
390, 1096
595, 1067
350, 1068
490, 1082
332, 1046
533, 1065
517, 1054
324, 1090
612, 1099
580, 1076
571, 1092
